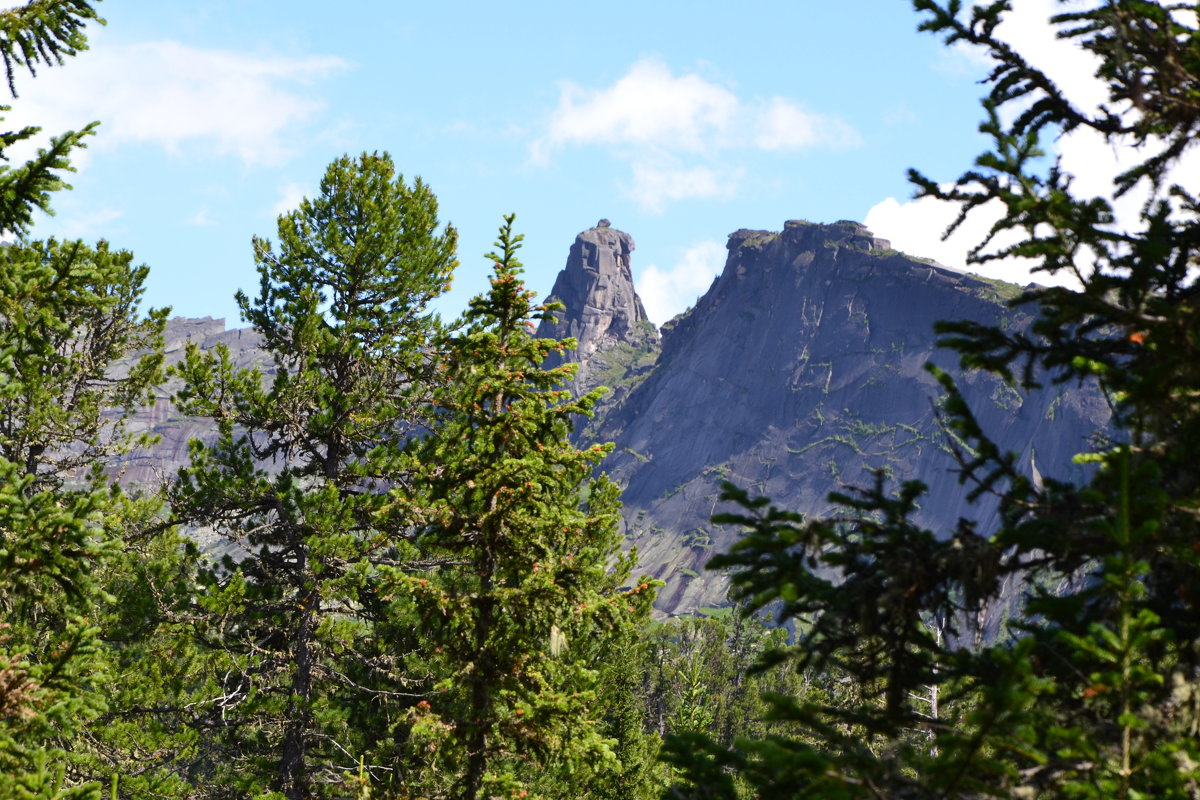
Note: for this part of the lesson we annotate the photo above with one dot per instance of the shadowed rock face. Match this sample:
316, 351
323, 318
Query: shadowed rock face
601, 309
800, 372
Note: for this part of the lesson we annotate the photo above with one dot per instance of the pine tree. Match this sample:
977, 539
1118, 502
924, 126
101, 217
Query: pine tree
1097, 691
519, 613
302, 682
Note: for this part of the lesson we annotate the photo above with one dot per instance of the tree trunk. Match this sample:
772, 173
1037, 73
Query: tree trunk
292, 768
481, 683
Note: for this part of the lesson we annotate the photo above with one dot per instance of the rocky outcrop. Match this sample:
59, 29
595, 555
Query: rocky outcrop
158, 465
799, 373
601, 311
154, 468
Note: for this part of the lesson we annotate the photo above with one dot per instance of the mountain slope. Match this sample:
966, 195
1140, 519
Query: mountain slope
799, 372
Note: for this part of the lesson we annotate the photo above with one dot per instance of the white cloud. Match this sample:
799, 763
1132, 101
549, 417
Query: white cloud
786, 126
289, 199
648, 106
671, 129
665, 293
174, 95
654, 183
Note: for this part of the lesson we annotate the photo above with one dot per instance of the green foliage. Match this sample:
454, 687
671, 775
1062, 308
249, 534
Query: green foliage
43, 32
68, 313
626, 364
522, 612
308, 668
142, 736
1095, 692
38, 32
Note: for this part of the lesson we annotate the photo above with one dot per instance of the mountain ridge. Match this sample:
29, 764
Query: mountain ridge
798, 373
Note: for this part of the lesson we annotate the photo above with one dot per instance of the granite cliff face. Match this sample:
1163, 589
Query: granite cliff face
799, 372
601, 309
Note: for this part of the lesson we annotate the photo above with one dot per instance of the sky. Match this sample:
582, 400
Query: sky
681, 122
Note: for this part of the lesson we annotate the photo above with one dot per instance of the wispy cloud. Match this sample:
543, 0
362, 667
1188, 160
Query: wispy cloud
671, 129
177, 96
201, 219
784, 125
289, 199
88, 224
655, 182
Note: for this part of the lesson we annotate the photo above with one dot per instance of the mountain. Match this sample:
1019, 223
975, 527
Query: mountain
799, 373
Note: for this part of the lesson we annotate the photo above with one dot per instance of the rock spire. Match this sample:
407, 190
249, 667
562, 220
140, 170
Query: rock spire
601, 309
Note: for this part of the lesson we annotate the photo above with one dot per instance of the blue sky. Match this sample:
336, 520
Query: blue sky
681, 122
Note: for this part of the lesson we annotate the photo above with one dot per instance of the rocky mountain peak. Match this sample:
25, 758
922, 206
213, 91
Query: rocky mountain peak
801, 371
601, 309
803, 234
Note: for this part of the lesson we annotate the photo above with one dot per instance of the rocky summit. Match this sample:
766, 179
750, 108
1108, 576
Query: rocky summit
601, 310
801, 372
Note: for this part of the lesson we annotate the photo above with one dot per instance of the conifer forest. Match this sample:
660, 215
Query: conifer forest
422, 591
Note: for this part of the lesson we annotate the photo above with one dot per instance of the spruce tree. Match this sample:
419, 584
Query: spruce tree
1096, 694
302, 689
525, 603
